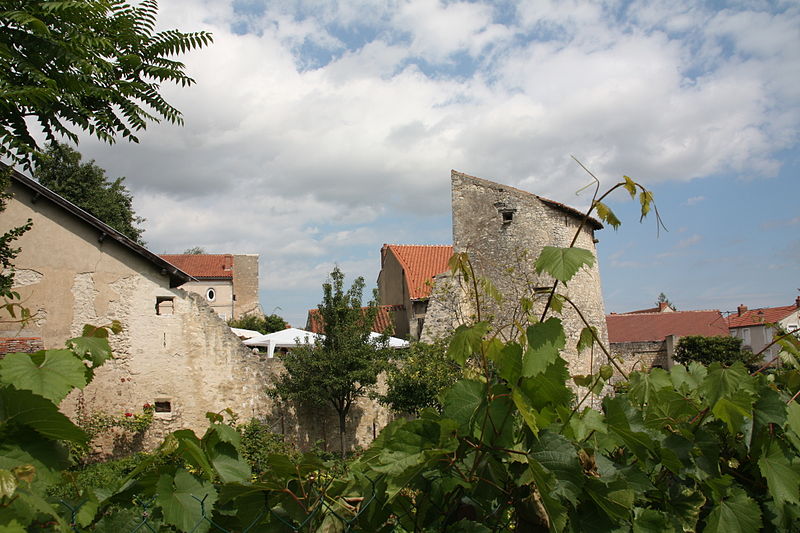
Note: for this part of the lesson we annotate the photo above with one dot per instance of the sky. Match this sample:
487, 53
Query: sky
318, 131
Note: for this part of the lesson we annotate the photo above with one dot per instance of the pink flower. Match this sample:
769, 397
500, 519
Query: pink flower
146, 406
128, 414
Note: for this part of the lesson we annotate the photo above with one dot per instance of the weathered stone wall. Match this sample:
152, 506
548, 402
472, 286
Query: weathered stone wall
179, 352
503, 230
641, 355
245, 285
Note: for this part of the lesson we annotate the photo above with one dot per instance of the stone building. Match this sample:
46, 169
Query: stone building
174, 351
228, 282
647, 338
503, 230
405, 283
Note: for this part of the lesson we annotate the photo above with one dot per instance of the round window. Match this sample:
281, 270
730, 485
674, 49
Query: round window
211, 294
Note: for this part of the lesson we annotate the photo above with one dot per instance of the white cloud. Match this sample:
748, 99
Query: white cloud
277, 143
694, 200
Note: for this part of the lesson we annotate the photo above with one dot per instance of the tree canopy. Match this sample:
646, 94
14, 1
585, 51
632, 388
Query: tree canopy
260, 323
707, 350
342, 367
85, 184
93, 65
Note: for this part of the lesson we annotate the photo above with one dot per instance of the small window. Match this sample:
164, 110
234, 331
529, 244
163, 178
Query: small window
165, 305
211, 295
163, 407
508, 216
746, 336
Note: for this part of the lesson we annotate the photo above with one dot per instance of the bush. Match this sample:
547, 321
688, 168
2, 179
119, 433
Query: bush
707, 350
259, 441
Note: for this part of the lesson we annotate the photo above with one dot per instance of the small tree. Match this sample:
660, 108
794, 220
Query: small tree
85, 184
262, 324
419, 376
345, 364
707, 350
194, 250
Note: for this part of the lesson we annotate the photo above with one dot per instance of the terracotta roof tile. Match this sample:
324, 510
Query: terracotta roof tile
757, 317
420, 264
383, 320
203, 266
639, 327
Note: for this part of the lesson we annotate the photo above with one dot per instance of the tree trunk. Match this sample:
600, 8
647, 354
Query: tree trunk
342, 416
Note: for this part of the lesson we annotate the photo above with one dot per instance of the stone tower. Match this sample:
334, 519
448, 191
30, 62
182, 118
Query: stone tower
503, 230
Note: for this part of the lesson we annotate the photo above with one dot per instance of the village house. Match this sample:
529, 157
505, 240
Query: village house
756, 327
228, 282
647, 338
174, 350
405, 282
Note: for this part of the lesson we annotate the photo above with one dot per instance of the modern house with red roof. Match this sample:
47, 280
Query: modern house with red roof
756, 326
405, 282
228, 282
644, 340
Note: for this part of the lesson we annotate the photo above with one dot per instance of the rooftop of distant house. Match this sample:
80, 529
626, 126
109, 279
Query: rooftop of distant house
639, 326
383, 319
420, 264
203, 266
745, 317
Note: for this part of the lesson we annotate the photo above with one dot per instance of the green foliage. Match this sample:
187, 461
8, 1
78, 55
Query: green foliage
195, 250
707, 350
342, 367
662, 299
60, 169
259, 442
260, 323
7, 252
418, 376
95, 66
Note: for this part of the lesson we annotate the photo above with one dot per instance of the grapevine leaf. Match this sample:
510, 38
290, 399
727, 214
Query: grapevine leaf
644, 384
558, 455
645, 199
545, 340
607, 215
508, 362
466, 341
179, 498
733, 409
563, 263
26, 408
723, 382
651, 521
736, 514
529, 414
95, 349
545, 481
461, 401
51, 374
586, 339
615, 498
583, 425
8, 484
782, 477
630, 186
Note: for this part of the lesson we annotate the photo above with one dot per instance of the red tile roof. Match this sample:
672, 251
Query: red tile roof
203, 266
383, 320
757, 317
20, 345
420, 264
639, 327
662, 308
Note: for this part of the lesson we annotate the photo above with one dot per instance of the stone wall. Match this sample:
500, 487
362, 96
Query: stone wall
503, 230
641, 355
245, 285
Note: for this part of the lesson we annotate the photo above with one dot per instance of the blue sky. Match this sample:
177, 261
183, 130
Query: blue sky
317, 131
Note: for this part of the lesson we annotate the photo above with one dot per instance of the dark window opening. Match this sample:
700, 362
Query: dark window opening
165, 305
508, 216
163, 407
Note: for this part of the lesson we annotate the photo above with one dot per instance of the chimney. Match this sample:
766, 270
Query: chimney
742, 309
662, 306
